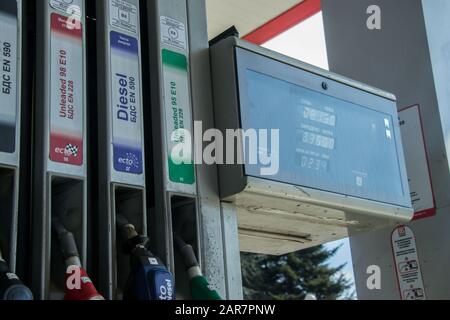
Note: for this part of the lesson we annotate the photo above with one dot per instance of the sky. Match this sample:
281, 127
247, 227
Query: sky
306, 42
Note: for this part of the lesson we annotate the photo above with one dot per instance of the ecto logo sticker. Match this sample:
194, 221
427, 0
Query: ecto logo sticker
65, 152
66, 149
69, 151
130, 161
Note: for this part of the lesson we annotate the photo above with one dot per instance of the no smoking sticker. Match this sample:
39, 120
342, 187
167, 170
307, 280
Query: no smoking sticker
124, 15
69, 7
407, 265
173, 33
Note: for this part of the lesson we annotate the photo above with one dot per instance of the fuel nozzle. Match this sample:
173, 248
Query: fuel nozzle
189, 258
149, 278
131, 239
200, 287
67, 243
11, 288
78, 285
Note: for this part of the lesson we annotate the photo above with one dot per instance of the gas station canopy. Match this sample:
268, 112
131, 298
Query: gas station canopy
247, 15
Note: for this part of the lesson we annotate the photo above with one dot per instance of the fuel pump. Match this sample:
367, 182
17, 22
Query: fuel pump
200, 289
82, 288
149, 278
11, 288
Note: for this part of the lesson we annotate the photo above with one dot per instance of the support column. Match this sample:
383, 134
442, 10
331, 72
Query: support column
409, 56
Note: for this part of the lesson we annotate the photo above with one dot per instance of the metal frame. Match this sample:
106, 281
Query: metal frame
232, 265
215, 230
299, 13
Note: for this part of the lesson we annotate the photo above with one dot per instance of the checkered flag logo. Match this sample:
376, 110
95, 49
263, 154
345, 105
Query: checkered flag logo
71, 149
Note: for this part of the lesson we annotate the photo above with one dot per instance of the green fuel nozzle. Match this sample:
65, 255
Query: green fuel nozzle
200, 287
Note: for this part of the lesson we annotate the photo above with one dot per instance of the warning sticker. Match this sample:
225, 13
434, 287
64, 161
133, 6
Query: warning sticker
407, 266
126, 104
8, 75
173, 33
67, 103
124, 15
417, 163
69, 7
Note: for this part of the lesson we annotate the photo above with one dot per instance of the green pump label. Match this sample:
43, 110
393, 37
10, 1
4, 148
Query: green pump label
178, 116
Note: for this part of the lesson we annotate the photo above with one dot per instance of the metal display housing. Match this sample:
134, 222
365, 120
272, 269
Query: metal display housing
277, 217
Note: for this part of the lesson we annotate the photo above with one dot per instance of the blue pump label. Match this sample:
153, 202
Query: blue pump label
126, 104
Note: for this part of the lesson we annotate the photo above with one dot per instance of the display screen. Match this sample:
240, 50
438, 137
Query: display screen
325, 143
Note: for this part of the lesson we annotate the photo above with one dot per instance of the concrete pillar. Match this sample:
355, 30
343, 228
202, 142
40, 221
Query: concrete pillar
410, 57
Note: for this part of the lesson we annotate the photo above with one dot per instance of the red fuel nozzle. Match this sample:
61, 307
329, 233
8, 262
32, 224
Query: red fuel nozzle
78, 285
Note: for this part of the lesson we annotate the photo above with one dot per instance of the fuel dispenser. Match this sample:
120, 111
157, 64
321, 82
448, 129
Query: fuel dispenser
329, 159
10, 128
121, 176
328, 153
60, 140
176, 198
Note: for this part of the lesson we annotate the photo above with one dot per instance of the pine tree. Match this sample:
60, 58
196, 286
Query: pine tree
293, 276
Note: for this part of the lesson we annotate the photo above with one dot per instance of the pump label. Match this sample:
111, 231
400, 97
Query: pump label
178, 117
8, 75
124, 15
126, 104
66, 102
68, 7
